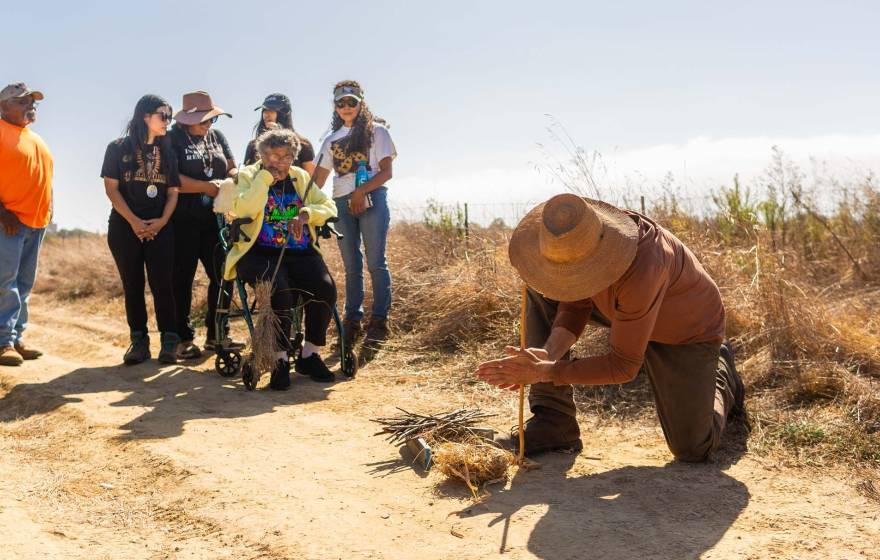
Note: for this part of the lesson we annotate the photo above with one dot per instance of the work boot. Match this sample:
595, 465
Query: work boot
377, 334
739, 391
187, 350
9, 357
547, 430
168, 350
315, 368
353, 331
280, 380
27, 353
139, 350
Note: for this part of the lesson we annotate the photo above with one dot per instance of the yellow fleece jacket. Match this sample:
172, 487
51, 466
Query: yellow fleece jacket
248, 198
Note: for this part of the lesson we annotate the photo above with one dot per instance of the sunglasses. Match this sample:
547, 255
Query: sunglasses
347, 102
166, 117
212, 120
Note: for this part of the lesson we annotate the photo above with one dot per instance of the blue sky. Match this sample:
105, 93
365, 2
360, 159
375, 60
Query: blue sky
692, 88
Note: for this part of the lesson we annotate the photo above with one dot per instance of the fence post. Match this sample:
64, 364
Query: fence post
643, 204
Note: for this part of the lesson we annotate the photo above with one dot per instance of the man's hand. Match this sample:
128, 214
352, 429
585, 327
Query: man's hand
521, 367
10, 222
296, 225
358, 202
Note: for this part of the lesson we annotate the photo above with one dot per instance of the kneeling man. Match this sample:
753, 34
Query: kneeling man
587, 261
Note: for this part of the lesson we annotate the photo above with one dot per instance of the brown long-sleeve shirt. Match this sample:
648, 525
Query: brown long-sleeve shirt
665, 296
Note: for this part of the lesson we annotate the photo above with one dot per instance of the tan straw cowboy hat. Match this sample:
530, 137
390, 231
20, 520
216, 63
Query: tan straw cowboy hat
571, 248
197, 108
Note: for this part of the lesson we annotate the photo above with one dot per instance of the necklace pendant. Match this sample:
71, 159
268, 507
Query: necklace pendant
209, 171
152, 190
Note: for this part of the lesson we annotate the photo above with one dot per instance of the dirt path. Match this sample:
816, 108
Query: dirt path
103, 461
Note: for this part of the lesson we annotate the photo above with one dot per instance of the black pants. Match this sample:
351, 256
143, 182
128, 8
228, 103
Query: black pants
131, 254
299, 275
196, 240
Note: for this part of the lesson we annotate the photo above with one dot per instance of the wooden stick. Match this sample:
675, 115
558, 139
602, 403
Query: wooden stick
522, 388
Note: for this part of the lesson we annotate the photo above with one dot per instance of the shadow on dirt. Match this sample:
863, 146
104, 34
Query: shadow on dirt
678, 510
169, 396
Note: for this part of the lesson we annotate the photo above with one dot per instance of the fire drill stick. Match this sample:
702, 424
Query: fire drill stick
522, 388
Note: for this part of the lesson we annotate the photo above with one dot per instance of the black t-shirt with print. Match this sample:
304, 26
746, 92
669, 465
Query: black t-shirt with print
306, 152
203, 158
128, 167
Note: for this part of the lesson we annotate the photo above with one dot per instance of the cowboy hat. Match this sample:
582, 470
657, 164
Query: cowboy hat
571, 248
197, 108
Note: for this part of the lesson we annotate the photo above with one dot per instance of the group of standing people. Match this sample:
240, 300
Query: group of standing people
163, 183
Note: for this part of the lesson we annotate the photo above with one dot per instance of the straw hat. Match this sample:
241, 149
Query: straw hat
571, 248
197, 108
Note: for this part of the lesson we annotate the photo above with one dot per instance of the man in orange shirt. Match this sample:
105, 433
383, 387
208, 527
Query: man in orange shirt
587, 261
25, 211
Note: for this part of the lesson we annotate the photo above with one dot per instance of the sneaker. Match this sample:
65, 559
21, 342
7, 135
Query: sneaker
315, 368
27, 353
168, 350
547, 430
139, 350
280, 380
377, 334
187, 350
9, 357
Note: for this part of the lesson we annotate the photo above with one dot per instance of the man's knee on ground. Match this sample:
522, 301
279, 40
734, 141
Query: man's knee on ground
691, 452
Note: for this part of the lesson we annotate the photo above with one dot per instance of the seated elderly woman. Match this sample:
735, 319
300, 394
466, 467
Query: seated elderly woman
273, 193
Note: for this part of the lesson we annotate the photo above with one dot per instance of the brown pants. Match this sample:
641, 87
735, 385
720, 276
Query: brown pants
693, 385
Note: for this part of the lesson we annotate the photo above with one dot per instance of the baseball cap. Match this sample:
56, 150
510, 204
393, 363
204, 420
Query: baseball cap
275, 102
348, 91
19, 89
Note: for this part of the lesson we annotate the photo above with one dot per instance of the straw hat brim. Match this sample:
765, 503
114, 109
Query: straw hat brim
581, 278
196, 117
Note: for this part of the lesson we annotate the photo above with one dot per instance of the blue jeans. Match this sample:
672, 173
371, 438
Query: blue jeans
372, 227
18, 270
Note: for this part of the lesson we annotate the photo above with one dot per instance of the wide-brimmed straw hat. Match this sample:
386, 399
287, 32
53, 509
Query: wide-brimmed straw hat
197, 108
571, 248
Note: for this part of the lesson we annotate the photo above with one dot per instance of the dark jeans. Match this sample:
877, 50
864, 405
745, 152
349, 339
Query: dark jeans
299, 275
692, 383
131, 255
196, 241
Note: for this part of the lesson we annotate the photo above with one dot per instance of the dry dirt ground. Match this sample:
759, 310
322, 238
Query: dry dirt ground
99, 460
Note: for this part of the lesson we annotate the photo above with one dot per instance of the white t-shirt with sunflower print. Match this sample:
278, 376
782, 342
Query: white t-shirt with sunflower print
345, 163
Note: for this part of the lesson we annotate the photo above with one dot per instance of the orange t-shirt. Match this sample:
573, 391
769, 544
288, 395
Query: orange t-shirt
25, 175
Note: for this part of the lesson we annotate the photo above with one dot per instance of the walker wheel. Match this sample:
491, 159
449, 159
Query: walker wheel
247, 374
349, 364
227, 364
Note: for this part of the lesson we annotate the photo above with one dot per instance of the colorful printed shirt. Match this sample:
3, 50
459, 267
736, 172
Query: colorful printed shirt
282, 205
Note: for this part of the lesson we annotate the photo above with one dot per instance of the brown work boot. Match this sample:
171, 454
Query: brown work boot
353, 331
9, 357
27, 353
374, 339
547, 430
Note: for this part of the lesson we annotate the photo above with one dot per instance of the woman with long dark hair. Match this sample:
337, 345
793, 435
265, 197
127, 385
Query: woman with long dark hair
358, 139
141, 181
276, 109
204, 159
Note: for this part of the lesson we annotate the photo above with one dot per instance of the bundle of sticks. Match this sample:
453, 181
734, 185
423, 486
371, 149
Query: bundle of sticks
456, 425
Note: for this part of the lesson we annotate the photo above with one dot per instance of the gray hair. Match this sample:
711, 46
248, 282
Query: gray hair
277, 137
